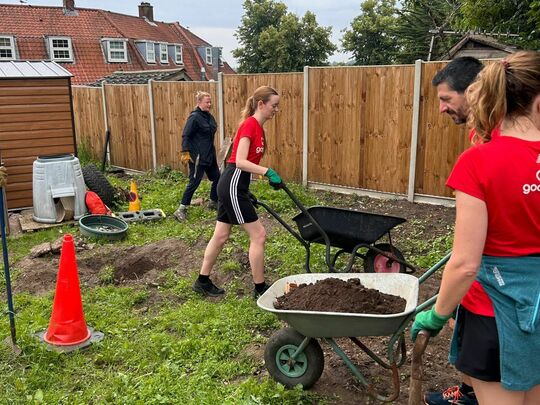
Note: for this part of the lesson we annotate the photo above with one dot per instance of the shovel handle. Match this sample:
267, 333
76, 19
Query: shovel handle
415, 386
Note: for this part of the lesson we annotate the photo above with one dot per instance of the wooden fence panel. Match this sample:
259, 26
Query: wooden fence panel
173, 102
440, 140
284, 132
89, 119
360, 123
128, 114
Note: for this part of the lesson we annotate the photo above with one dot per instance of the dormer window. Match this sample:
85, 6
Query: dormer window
221, 57
208, 56
60, 49
7, 48
150, 52
116, 50
163, 53
178, 58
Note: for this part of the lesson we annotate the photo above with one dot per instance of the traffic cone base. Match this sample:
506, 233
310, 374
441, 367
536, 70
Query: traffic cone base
67, 326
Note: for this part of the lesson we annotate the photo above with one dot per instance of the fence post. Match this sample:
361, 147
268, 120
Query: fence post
106, 122
305, 121
415, 124
221, 110
152, 124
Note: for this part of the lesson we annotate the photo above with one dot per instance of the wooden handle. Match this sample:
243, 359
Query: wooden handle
415, 386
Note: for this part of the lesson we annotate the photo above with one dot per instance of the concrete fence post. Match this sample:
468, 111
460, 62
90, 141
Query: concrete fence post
415, 125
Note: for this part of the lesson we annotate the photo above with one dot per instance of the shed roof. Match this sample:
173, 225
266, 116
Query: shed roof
31, 69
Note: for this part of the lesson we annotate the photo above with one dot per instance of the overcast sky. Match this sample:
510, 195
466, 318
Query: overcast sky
216, 20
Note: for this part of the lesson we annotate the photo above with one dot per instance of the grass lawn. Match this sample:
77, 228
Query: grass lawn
163, 343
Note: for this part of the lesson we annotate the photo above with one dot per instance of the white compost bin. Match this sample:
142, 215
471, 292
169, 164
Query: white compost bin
58, 189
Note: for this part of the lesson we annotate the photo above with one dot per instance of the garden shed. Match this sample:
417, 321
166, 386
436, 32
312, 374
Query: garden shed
36, 119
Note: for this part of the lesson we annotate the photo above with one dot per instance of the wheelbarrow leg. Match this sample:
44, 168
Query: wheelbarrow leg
415, 385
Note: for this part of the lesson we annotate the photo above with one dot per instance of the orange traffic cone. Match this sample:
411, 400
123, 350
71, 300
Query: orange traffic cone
134, 202
67, 325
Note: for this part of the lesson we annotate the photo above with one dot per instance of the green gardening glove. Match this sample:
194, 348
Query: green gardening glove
429, 320
273, 178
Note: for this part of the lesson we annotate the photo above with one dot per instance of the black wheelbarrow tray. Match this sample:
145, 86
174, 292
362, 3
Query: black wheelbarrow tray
349, 231
293, 354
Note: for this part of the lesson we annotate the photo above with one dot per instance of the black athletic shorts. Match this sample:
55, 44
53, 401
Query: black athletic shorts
234, 205
478, 346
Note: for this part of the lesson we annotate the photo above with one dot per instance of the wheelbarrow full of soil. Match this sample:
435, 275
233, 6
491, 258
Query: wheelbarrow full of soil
293, 354
345, 231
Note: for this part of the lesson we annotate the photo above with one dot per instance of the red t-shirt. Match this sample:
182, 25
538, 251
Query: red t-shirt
505, 174
251, 129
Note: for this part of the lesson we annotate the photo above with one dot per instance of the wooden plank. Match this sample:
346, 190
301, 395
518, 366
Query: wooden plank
15, 203
60, 82
14, 118
29, 225
35, 108
35, 152
129, 118
37, 134
33, 99
19, 178
17, 170
24, 161
37, 142
31, 126
30, 91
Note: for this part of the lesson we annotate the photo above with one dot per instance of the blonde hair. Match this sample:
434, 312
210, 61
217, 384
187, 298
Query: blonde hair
200, 95
504, 89
263, 94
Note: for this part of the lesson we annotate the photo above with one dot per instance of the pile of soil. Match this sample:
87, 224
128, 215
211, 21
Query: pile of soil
335, 295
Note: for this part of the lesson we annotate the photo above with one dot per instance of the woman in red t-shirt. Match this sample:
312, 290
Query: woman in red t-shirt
494, 270
234, 204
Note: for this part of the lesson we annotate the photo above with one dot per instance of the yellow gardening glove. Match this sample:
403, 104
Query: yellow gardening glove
185, 158
3, 176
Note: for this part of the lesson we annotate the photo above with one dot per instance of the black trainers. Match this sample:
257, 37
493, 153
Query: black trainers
209, 288
452, 395
257, 294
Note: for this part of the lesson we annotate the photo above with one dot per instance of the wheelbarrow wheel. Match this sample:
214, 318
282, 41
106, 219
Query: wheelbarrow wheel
305, 369
377, 263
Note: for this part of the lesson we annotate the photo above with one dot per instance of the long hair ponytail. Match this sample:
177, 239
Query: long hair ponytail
504, 89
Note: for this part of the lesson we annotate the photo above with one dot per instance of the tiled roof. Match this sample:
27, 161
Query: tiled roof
30, 25
142, 77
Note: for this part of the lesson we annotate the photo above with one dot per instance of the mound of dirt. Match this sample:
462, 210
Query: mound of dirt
335, 295
135, 265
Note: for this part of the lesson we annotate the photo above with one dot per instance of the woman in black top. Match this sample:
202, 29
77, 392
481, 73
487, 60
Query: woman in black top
199, 153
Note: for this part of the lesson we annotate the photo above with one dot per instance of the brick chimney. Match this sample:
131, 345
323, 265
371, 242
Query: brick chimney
146, 10
69, 7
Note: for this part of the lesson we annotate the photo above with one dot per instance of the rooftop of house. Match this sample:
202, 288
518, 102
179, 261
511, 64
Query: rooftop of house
30, 26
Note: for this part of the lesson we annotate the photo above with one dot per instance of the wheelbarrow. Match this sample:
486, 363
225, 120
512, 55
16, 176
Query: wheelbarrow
347, 230
293, 354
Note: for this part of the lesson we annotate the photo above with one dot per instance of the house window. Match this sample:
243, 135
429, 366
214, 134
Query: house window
220, 57
116, 51
163, 54
178, 58
7, 48
150, 52
60, 49
209, 56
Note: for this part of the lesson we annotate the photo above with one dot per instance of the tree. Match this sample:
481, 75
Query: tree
371, 35
415, 21
504, 16
274, 40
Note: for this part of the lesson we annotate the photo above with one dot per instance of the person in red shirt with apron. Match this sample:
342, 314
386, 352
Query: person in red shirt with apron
234, 204
494, 270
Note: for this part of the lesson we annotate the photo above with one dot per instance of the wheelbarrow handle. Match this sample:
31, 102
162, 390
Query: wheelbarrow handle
415, 385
